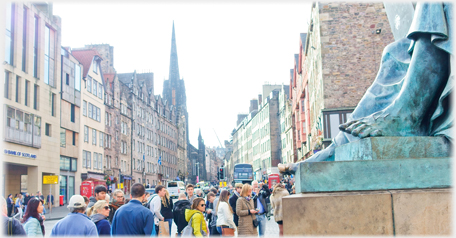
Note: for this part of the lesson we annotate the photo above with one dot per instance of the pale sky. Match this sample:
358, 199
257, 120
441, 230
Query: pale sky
226, 50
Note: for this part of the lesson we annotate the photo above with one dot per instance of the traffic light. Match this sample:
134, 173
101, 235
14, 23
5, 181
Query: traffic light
222, 174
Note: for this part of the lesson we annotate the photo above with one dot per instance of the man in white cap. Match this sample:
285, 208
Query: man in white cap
76, 223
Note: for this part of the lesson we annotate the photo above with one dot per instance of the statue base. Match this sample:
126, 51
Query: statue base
375, 186
380, 163
389, 212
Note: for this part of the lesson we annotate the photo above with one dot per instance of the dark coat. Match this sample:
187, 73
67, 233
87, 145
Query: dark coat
262, 196
17, 228
179, 214
233, 199
103, 228
167, 212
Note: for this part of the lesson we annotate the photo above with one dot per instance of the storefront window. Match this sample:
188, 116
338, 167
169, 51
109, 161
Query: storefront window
63, 188
70, 186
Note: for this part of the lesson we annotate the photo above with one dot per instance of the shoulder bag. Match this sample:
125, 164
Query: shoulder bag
254, 220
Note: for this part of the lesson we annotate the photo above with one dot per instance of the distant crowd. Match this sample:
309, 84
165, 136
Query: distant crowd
240, 210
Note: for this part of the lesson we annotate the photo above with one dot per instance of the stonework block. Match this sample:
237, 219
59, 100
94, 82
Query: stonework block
422, 212
415, 212
350, 213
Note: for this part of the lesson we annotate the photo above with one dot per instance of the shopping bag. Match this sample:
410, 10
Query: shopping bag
163, 228
227, 231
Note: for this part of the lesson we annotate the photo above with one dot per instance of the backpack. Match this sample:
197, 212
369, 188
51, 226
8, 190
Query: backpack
10, 226
188, 230
150, 200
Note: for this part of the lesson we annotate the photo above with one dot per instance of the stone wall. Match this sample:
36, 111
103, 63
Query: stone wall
351, 49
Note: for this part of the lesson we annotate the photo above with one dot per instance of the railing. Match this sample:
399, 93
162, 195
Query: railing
21, 137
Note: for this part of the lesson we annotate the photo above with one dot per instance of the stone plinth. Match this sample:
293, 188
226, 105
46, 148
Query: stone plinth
380, 163
391, 212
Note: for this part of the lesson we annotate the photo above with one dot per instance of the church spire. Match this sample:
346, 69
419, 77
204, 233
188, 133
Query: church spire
173, 64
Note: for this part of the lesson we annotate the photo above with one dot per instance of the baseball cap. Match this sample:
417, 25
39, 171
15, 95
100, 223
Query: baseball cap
76, 201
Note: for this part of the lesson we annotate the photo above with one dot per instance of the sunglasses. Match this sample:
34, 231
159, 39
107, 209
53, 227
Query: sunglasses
106, 207
203, 205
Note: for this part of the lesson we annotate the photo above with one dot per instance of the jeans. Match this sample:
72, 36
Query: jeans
219, 229
170, 222
262, 224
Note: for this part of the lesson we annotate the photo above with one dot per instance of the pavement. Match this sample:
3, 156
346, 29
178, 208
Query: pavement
57, 213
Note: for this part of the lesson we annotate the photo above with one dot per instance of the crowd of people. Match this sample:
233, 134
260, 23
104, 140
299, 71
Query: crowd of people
242, 210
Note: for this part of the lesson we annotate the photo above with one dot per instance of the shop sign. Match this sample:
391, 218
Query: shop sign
51, 179
20, 154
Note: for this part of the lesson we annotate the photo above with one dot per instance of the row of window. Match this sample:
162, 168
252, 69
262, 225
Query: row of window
94, 112
94, 87
27, 92
104, 139
87, 160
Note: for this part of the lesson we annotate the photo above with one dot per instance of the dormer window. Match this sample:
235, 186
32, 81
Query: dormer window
95, 66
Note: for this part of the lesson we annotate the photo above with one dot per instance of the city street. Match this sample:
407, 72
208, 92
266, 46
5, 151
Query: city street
272, 229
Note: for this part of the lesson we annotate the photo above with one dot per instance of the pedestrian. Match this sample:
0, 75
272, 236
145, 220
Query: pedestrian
211, 203
146, 200
118, 200
155, 206
108, 198
10, 204
246, 212
19, 206
224, 213
76, 223
33, 221
26, 200
233, 200
98, 214
189, 192
276, 202
86, 200
50, 201
14, 203
133, 218
11, 226
40, 196
179, 212
198, 224
267, 195
100, 194
259, 200
167, 209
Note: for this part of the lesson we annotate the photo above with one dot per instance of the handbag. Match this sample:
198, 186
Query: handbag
227, 231
254, 220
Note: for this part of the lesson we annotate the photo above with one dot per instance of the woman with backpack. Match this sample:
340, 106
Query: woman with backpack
99, 213
34, 225
245, 209
167, 209
224, 213
197, 224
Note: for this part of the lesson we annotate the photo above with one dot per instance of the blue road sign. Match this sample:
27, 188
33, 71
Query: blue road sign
144, 157
159, 160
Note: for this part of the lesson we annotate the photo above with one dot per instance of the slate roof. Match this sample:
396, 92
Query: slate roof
303, 41
109, 78
85, 57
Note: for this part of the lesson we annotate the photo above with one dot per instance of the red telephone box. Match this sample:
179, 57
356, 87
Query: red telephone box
87, 188
273, 179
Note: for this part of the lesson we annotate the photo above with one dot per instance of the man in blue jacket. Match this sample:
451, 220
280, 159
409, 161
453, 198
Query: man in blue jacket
76, 223
133, 218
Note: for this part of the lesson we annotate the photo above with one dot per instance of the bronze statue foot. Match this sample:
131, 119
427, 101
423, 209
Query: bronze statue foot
384, 123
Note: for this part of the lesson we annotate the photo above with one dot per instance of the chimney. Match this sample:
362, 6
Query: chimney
260, 99
253, 105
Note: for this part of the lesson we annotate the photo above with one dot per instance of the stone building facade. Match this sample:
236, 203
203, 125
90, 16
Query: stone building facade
285, 122
31, 119
338, 60
92, 126
70, 114
257, 139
